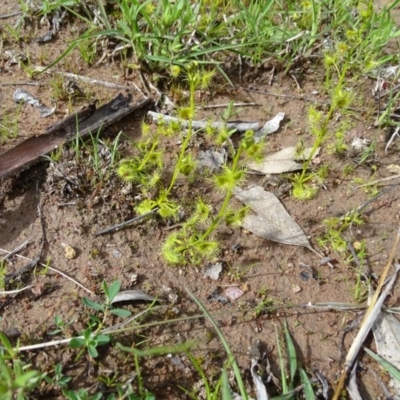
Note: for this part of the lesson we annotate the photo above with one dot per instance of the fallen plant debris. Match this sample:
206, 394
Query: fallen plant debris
31, 150
213, 270
132, 295
309, 64
372, 313
272, 221
386, 330
260, 131
22, 96
285, 160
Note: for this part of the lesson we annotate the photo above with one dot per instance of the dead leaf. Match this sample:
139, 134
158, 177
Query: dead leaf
38, 289
273, 222
393, 168
386, 330
352, 386
270, 126
22, 96
296, 289
132, 295
259, 386
283, 161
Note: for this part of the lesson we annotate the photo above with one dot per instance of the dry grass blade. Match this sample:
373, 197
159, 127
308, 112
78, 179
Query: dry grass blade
7, 292
386, 332
383, 276
108, 331
370, 317
259, 386
132, 295
16, 250
352, 387
55, 270
95, 81
239, 126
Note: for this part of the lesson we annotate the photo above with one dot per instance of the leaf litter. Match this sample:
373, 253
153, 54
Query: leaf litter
307, 245
272, 221
22, 96
386, 330
285, 160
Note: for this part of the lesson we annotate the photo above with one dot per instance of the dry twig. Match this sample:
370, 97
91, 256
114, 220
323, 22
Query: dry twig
55, 270
370, 316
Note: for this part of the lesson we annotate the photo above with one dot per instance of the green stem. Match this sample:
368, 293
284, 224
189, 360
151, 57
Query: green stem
147, 156
184, 144
104, 14
323, 130
228, 196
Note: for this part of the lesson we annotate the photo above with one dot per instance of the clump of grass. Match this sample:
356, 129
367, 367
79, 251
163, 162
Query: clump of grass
161, 34
335, 228
9, 124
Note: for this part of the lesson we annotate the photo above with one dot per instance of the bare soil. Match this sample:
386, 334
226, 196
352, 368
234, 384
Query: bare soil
72, 215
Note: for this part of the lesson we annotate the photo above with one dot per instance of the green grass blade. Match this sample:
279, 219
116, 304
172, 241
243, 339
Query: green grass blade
58, 59
201, 372
287, 396
7, 345
393, 371
281, 363
231, 357
183, 347
291, 354
226, 390
308, 390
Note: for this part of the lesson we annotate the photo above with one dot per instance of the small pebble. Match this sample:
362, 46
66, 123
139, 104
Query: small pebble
117, 253
296, 289
70, 252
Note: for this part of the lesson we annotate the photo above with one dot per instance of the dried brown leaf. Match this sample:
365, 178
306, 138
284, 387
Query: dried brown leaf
285, 160
272, 221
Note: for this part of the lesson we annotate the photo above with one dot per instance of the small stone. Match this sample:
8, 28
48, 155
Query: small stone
133, 279
234, 293
245, 287
296, 289
70, 252
213, 271
117, 253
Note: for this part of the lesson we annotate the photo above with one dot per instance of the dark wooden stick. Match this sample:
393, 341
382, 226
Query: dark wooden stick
30, 151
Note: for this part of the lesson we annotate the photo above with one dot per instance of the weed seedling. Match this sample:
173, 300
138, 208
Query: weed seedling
16, 378
237, 273
335, 228
62, 327
3, 270
91, 338
319, 126
87, 50
360, 291
9, 124
59, 379
192, 242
